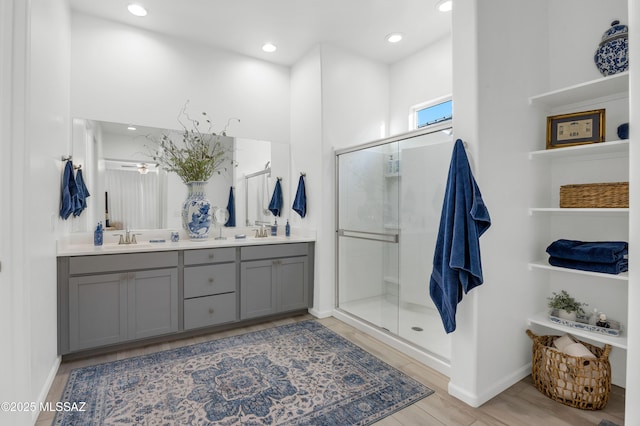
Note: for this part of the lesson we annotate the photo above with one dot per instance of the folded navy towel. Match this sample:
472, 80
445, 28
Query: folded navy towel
456, 262
231, 208
275, 206
617, 267
83, 193
585, 251
67, 200
300, 202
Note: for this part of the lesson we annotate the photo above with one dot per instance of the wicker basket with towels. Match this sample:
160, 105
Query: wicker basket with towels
580, 381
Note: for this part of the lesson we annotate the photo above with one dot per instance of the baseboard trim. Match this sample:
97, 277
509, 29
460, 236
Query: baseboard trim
476, 400
414, 352
42, 397
321, 314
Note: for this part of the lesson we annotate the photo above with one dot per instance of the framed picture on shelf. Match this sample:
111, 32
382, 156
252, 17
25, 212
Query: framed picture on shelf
577, 128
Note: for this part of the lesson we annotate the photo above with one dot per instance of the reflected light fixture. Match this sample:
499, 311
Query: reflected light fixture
445, 5
137, 10
143, 169
269, 47
394, 37
132, 128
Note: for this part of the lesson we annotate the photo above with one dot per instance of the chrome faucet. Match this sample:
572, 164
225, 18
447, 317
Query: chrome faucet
129, 238
261, 232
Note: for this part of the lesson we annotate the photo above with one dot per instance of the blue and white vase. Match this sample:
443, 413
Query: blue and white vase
196, 211
612, 55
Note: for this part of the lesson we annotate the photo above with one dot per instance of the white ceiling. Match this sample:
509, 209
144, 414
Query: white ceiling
295, 26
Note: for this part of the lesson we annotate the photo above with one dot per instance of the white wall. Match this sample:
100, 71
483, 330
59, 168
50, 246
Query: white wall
421, 77
127, 75
40, 135
575, 30
490, 90
306, 156
632, 410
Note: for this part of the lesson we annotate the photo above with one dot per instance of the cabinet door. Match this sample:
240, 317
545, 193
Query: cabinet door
153, 302
292, 284
257, 289
97, 310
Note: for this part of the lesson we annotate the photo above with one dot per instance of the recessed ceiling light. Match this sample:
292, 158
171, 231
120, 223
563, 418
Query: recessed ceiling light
445, 5
394, 38
269, 47
137, 10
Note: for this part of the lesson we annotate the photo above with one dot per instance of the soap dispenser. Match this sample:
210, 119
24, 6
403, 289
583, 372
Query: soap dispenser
274, 229
97, 235
287, 229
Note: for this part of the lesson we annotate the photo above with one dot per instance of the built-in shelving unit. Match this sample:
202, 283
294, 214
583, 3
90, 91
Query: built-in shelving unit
616, 86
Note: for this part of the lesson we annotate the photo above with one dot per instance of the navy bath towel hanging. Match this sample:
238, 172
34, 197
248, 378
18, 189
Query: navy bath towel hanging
300, 202
69, 194
275, 206
83, 193
231, 208
456, 262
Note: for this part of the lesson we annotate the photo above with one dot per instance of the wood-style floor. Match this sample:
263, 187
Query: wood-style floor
521, 404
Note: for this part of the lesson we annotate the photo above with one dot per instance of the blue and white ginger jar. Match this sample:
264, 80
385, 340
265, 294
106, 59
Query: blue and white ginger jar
196, 211
612, 55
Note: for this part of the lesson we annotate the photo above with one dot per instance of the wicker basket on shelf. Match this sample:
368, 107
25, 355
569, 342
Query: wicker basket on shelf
595, 195
579, 382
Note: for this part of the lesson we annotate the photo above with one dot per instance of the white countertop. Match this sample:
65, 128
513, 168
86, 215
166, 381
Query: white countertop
82, 244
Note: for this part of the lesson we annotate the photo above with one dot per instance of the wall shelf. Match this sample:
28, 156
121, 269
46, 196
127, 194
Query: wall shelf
542, 318
542, 264
605, 86
581, 211
611, 147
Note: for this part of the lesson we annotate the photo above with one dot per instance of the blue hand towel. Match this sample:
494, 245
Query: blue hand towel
585, 251
300, 202
83, 193
275, 206
617, 267
231, 208
67, 205
456, 262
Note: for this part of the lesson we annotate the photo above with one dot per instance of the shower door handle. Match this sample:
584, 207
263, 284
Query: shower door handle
373, 236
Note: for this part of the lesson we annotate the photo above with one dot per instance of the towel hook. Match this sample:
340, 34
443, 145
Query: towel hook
303, 174
279, 178
79, 166
67, 158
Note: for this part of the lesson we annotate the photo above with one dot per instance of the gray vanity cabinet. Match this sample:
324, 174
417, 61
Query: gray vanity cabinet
273, 279
209, 287
110, 299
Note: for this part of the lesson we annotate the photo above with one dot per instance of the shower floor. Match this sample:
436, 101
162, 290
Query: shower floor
417, 324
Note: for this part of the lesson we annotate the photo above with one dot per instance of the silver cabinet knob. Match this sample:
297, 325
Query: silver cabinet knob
211, 280
210, 311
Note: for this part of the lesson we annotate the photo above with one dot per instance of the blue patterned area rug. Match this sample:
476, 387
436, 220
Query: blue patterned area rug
302, 374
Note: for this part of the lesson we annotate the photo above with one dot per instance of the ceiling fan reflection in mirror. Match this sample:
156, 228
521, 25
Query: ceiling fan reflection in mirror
143, 168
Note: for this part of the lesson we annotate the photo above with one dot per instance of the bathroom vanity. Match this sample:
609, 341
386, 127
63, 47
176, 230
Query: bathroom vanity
124, 295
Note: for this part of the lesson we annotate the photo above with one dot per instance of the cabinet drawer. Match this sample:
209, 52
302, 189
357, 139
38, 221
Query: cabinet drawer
209, 279
210, 310
122, 262
195, 257
272, 251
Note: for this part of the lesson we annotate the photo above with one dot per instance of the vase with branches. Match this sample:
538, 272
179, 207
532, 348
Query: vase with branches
197, 154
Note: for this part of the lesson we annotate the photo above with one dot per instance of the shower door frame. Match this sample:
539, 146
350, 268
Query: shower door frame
434, 128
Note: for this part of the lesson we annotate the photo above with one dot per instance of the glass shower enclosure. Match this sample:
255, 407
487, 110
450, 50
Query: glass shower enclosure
389, 200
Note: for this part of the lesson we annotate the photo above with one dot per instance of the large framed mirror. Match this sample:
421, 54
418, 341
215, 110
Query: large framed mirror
129, 189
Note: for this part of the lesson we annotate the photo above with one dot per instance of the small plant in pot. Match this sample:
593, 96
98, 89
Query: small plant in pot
566, 306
